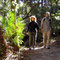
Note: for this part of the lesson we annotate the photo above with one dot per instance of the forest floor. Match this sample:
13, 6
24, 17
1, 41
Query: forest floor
39, 53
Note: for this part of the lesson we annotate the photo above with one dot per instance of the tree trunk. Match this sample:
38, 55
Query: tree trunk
2, 45
42, 8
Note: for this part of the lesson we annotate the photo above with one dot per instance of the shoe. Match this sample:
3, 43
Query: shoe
29, 48
44, 46
48, 47
33, 47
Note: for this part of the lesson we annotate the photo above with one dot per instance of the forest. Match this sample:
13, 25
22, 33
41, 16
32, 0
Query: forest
14, 20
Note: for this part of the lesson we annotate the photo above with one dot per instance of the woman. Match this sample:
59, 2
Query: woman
32, 28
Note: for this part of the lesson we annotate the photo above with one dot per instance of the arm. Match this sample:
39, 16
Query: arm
50, 23
37, 27
42, 25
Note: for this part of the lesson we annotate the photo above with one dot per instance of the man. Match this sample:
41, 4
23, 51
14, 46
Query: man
32, 29
46, 30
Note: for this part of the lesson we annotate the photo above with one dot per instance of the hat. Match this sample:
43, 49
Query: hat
33, 16
48, 13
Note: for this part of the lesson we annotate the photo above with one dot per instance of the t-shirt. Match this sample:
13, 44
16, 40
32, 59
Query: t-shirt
46, 24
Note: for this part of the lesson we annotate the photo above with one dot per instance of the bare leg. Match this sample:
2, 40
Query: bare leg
48, 39
44, 39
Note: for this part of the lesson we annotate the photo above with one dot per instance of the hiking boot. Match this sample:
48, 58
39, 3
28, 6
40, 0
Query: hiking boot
48, 47
29, 48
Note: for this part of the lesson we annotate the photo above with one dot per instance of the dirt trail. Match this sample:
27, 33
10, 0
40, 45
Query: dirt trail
43, 53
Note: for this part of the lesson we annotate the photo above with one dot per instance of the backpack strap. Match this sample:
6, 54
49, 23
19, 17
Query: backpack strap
42, 21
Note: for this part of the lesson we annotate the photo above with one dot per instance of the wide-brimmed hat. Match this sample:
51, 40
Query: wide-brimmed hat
33, 16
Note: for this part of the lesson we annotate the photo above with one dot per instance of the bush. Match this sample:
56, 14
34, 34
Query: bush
13, 29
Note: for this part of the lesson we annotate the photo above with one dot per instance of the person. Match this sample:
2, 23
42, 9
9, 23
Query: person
46, 30
32, 29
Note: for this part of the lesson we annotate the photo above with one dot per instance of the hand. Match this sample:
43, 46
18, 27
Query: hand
36, 30
27, 33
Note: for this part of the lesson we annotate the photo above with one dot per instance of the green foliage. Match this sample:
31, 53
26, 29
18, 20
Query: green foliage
13, 27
